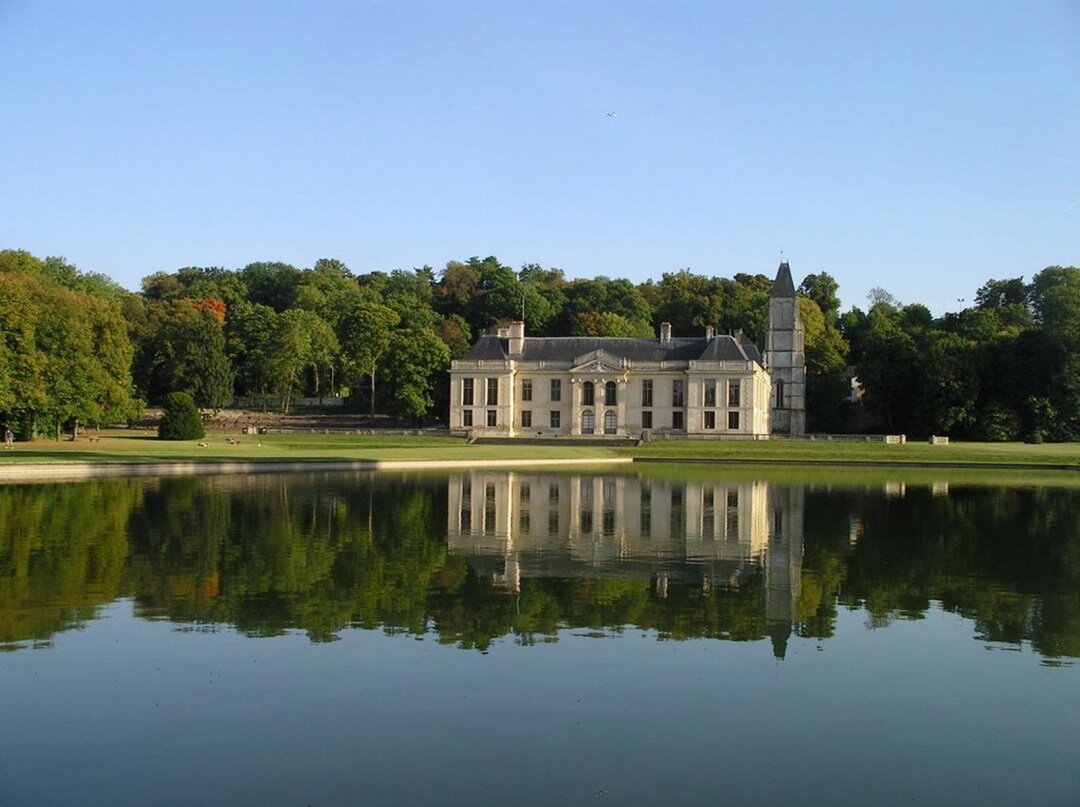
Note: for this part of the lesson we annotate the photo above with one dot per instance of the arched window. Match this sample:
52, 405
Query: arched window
588, 422
611, 422
588, 394
610, 391
780, 394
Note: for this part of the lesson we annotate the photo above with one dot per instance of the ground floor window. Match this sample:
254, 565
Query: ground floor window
588, 422
676, 420
733, 420
466, 418
710, 420
492, 417
556, 419
611, 423
646, 420
526, 418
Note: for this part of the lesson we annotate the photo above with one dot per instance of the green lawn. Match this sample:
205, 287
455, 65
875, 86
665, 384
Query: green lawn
125, 446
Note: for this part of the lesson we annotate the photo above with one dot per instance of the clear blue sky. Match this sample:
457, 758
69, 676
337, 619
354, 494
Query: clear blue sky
920, 147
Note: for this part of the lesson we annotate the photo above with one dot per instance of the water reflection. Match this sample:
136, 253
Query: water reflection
475, 557
708, 536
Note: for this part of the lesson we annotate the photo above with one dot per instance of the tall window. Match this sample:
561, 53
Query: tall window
526, 389
646, 392
733, 420
710, 420
610, 393
678, 393
493, 392
467, 392
526, 418
588, 394
588, 422
556, 389
676, 420
492, 417
780, 394
556, 419
646, 419
466, 418
710, 392
734, 392
611, 423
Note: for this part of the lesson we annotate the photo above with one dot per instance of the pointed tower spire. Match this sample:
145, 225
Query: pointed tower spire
783, 286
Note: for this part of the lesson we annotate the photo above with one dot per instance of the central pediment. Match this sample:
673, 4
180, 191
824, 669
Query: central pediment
598, 361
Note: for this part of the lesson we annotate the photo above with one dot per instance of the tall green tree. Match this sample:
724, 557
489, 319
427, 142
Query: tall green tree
366, 338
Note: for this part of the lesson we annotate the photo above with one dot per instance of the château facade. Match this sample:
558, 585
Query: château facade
511, 385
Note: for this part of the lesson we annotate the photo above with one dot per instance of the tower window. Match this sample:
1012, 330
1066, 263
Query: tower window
780, 394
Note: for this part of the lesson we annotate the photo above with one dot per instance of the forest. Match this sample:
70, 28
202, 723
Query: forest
76, 348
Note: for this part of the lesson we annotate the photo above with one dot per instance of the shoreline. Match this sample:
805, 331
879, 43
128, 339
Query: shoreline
78, 470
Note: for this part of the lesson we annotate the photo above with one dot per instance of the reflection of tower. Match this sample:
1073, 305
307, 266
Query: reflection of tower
783, 564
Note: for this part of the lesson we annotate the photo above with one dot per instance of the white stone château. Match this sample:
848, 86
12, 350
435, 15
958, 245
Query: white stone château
511, 385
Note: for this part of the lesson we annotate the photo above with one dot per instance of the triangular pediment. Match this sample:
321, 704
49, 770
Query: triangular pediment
598, 361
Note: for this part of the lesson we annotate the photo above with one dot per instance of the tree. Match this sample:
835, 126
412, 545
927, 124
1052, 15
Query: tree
180, 419
366, 339
822, 288
205, 371
416, 364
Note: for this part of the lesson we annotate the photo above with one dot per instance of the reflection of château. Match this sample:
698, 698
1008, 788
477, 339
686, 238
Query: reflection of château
706, 534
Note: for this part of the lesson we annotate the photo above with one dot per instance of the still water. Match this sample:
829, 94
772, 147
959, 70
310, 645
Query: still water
720, 636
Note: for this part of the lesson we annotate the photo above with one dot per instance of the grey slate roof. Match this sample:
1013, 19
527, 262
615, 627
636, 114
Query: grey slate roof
567, 348
783, 286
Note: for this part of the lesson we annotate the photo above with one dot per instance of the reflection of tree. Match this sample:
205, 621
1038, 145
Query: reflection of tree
321, 552
62, 552
1007, 558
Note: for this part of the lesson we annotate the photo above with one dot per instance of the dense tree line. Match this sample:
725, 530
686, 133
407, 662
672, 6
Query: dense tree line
78, 348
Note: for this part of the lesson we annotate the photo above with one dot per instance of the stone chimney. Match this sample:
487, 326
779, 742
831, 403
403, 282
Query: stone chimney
710, 332
665, 333
517, 337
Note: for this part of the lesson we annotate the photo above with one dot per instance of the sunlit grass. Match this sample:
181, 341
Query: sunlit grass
127, 446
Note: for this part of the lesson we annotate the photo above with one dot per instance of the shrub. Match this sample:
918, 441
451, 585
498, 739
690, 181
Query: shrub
181, 419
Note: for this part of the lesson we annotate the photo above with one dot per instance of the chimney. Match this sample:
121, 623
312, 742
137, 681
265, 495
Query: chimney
710, 332
665, 333
517, 337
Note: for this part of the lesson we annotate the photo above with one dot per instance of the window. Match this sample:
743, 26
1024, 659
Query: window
553, 493
588, 394
734, 393
710, 392
526, 389
525, 521
610, 393
492, 417
467, 392
732, 497
780, 394
646, 420
676, 420
493, 392
553, 523
678, 393
733, 420
466, 418
611, 423
526, 493
646, 392
526, 418
588, 422
556, 419
556, 389
710, 420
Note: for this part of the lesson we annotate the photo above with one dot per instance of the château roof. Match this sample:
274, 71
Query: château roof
783, 286
566, 349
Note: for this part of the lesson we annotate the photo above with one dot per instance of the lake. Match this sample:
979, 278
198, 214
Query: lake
672, 635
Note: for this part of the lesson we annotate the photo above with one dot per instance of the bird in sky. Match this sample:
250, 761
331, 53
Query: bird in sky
610, 114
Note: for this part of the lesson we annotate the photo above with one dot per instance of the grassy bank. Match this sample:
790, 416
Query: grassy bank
126, 446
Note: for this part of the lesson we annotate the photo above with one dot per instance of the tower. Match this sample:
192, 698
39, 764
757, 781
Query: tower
785, 357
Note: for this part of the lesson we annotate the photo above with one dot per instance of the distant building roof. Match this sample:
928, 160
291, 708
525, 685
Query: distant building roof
567, 348
783, 286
